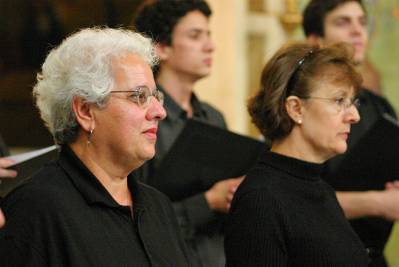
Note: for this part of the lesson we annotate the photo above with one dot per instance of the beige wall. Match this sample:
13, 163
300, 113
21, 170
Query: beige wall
226, 87
237, 66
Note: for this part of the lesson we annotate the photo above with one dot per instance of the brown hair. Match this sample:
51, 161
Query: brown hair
293, 71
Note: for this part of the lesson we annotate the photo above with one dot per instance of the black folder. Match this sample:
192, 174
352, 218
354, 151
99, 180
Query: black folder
27, 168
202, 155
373, 161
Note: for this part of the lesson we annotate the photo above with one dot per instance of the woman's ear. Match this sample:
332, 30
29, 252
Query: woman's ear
84, 113
294, 107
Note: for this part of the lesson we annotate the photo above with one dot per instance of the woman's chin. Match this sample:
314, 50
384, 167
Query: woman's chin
341, 149
150, 154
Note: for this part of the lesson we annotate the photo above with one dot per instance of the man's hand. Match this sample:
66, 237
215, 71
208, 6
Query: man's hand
221, 194
382, 203
4, 172
392, 185
388, 200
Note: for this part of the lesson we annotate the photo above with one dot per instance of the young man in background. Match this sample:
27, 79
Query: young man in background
180, 30
370, 212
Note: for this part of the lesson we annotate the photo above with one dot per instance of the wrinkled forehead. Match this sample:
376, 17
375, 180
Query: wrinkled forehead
131, 71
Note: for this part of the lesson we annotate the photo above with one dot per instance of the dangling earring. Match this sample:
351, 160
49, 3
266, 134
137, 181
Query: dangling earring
89, 135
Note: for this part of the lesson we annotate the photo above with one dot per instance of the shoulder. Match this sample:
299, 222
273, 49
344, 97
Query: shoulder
211, 109
381, 102
254, 206
260, 189
213, 114
39, 193
260, 178
37, 205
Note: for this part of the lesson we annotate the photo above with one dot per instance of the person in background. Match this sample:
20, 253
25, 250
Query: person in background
3, 148
4, 162
284, 214
180, 29
97, 95
4, 171
371, 212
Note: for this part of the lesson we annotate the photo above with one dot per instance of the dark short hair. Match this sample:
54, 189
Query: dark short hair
293, 70
316, 12
158, 18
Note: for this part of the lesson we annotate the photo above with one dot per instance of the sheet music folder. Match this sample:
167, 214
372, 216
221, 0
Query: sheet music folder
26, 165
202, 155
372, 162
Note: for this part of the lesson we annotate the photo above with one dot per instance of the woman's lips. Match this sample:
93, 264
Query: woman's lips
151, 133
344, 135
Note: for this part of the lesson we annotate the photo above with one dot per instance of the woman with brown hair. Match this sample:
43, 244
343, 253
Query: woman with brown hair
283, 214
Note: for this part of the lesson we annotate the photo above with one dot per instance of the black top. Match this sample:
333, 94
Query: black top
200, 225
64, 216
374, 232
283, 214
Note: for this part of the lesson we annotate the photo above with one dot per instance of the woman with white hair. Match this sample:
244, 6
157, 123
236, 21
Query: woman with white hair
97, 96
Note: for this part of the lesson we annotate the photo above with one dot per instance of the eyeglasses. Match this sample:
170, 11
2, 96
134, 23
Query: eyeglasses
142, 95
341, 103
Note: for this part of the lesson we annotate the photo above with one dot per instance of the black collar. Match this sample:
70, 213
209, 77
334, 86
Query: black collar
295, 167
175, 112
90, 187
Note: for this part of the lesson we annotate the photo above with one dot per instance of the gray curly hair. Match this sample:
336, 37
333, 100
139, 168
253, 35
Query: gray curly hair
81, 66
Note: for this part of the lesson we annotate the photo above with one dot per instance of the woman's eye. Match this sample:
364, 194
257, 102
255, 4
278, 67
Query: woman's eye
340, 101
142, 97
135, 97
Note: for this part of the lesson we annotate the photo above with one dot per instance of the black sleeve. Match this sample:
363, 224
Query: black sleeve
18, 246
17, 253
